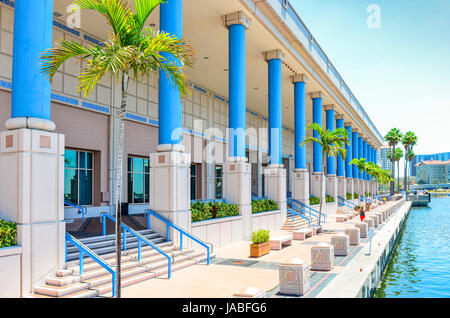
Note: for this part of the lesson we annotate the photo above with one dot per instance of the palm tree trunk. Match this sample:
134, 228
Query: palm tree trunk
322, 195
119, 164
392, 183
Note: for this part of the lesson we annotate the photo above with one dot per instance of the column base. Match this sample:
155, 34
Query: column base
332, 187
275, 187
30, 123
170, 191
349, 187
32, 195
300, 186
237, 190
317, 179
341, 187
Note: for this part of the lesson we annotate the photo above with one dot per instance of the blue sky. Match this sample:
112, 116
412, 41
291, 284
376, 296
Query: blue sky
400, 73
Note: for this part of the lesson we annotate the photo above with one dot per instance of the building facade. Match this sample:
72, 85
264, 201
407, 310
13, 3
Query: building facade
383, 160
260, 77
433, 172
444, 156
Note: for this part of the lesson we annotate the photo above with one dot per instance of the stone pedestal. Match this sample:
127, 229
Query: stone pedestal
170, 191
300, 186
237, 190
341, 244
275, 188
354, 235
322, 257
355, 186
341, 187
363, 229
375, 220
294, 277
315, 186
349, 187
332, 187
362, 187
369, 221
32, 195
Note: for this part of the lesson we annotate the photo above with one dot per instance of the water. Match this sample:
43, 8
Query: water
420, 264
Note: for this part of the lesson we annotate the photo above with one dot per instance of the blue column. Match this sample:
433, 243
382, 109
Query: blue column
170, 107
349, 148
275, 116
365, 157
355, 153
237, 87
340, 161
31, 90
300, 122
331, 161
360, 154
369, 155
317, 118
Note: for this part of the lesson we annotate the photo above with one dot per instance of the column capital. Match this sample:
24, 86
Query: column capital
299, 78
348, 124
274, 55
355, 130
318, 94
365, 139
339, 116
329, 107
238, 17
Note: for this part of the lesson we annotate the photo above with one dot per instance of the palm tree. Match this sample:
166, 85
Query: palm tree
133, 51
393, 137
397, 156
361, 164
332, 143
409, 157
409, 140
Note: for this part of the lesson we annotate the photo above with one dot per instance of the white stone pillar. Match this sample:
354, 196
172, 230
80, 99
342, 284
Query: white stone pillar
341, 187
32, 195
349, 187
332, 187
275, 187
315, 185
170, 191
237, 190
300, 186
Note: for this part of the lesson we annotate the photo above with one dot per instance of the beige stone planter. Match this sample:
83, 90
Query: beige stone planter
258, 250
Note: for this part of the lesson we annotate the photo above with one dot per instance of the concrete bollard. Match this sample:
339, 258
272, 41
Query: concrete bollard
363, 229
370, 222
322, 257
375, 220
341, 244
250, 292
294, 277
354, 235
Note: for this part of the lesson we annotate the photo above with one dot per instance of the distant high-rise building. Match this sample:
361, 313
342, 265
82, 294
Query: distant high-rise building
383, 160
445, 156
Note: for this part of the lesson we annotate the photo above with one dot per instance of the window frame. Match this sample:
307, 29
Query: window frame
78, 169
133, 173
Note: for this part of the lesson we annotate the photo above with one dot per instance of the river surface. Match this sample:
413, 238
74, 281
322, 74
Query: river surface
420, 263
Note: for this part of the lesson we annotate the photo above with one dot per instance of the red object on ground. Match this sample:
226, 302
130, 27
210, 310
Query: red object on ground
362, 217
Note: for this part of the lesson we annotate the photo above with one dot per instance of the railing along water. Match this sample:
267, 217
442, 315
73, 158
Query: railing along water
83, 249
81, 210
169, 224
140, 238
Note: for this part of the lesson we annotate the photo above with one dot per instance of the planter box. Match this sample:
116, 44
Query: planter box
258, 250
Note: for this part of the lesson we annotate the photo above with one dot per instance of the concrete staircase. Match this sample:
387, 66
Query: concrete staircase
97, 281
298, 222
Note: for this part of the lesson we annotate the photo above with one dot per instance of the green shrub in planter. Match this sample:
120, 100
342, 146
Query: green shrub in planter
348, 196
201, 211
313, 200
329, 199
260, 236
264, 205
355, 195
8, 233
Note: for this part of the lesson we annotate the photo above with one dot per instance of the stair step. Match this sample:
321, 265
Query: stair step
88, 240
59, 291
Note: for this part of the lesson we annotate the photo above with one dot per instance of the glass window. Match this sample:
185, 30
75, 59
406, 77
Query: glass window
193, 182
78, 176
219, 174
138, 180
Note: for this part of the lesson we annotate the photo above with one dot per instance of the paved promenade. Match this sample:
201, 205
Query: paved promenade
233, 270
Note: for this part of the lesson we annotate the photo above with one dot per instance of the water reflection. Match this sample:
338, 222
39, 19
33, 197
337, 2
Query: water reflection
419, 264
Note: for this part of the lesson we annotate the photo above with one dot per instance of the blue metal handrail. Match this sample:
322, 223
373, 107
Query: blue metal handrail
298, 214
81, 210
346, 202
182, 232
318, 214
300, 209
140, 239
83, 249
